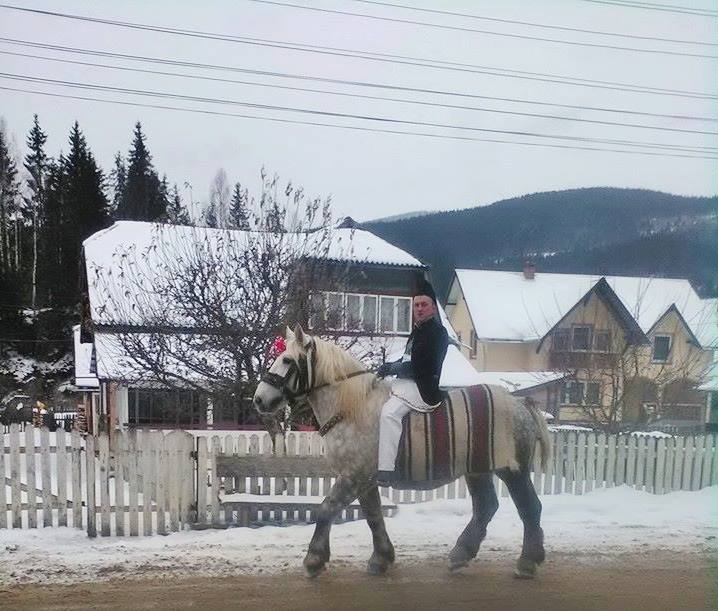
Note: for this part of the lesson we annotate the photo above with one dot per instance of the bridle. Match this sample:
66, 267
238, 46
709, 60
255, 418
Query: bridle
299, 381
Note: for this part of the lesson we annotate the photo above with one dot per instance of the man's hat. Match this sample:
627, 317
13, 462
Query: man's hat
424, 288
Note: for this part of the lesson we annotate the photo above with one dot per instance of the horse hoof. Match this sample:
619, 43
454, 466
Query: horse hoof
459, 558
376, 568
378, 565
525, 569
314, 565
457, 565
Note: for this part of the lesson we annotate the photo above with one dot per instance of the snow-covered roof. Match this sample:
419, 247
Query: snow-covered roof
146, 248
507, 306
514, 381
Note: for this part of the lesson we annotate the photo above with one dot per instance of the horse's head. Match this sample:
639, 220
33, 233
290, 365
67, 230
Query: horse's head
291, 377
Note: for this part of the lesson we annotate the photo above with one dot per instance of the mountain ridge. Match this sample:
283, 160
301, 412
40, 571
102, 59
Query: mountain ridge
609, 230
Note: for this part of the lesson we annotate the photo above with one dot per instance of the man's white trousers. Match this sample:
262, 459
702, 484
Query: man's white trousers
403, 398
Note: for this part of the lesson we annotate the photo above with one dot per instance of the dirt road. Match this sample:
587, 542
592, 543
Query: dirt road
657, 580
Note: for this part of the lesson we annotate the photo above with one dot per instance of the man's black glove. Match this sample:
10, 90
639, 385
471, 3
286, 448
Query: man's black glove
384, 370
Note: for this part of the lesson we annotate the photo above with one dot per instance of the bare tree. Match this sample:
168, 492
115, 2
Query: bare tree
219, 198
199, 308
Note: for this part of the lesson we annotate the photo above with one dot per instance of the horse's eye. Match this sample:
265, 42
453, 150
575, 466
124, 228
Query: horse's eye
286, 360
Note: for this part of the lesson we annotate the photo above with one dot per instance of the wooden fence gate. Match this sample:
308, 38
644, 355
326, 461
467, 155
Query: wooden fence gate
156, 482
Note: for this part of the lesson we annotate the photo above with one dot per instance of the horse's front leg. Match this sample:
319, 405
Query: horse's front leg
343, 492
383, 554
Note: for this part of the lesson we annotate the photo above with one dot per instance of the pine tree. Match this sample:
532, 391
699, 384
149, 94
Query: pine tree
9, 194
210, 215
176, 212
36, 164
76, 208
238, 210
142, 198
118, 178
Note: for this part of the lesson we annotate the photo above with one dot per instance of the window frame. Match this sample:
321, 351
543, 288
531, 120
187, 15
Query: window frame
667, 336
607, 335
364, 298
589, 341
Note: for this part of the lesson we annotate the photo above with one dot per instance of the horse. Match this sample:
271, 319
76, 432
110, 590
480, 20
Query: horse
346, 399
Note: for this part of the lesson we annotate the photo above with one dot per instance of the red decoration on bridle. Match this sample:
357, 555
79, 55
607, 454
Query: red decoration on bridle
278, 347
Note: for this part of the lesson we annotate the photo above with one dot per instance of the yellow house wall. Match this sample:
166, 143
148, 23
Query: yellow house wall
684, 360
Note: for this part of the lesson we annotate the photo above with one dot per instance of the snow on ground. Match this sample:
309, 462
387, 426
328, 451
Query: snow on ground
602, 524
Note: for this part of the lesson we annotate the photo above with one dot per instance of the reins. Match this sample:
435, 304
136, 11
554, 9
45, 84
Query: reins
280, 383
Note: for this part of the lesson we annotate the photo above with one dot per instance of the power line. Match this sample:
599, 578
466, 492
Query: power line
486, 32
164, 61
537, 25
397, 100
343, 115
359, 128
404, 60
668, 8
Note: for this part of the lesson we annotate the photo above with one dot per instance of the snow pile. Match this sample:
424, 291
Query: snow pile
604, 523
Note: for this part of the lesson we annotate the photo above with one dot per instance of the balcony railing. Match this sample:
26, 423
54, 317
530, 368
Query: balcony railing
567, 359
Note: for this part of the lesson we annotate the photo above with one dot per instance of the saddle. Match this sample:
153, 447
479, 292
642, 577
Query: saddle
471, 431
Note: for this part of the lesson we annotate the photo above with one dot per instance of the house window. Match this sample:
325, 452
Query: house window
661, 348
368, 313
602, 341
561, 339
357, 312
593, 393
386, 314
577, 392
317, 308
353, 313
581, 338
335, 311
472, 345
403, 315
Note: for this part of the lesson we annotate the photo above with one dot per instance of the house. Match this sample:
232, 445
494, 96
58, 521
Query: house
630, 349
362, 299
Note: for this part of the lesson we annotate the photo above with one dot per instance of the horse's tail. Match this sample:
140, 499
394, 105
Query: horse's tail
542, 429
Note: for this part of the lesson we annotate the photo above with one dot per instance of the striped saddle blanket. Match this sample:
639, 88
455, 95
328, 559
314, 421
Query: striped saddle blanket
471, 431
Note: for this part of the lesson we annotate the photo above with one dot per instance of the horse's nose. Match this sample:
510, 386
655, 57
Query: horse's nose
258, 402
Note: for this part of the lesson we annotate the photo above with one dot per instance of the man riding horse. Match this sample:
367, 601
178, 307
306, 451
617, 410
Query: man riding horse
417, 378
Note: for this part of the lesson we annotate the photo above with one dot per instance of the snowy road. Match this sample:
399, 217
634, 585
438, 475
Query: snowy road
602, 524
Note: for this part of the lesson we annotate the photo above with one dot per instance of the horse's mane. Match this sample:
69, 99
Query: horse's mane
333, 364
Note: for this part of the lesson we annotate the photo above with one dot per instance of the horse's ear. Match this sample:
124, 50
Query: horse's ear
289, 335
299, 334
304, 339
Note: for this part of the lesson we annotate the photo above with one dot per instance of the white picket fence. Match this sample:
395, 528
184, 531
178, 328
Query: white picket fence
157, 482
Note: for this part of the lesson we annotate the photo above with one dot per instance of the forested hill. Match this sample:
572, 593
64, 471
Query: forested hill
599, 230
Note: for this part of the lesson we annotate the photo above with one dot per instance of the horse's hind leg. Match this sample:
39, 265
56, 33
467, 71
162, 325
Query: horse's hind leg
485, 504
528, 505
383, 555
343, 492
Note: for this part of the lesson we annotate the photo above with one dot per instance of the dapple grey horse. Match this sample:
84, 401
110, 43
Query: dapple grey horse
346, 399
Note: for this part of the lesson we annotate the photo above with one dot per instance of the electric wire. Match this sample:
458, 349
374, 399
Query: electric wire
388, 99
536, 25
247, 40
485, 32
407, 60
668, 8
345, 115
359, 128
164, 61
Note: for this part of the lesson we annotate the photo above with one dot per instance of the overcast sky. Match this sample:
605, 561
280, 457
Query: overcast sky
372, 174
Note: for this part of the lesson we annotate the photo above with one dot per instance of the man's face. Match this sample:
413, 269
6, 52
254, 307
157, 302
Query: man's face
424, 308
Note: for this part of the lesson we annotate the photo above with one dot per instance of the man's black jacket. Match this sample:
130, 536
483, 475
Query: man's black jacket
429, 342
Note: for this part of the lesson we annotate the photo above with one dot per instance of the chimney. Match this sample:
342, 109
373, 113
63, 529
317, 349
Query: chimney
529, 270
